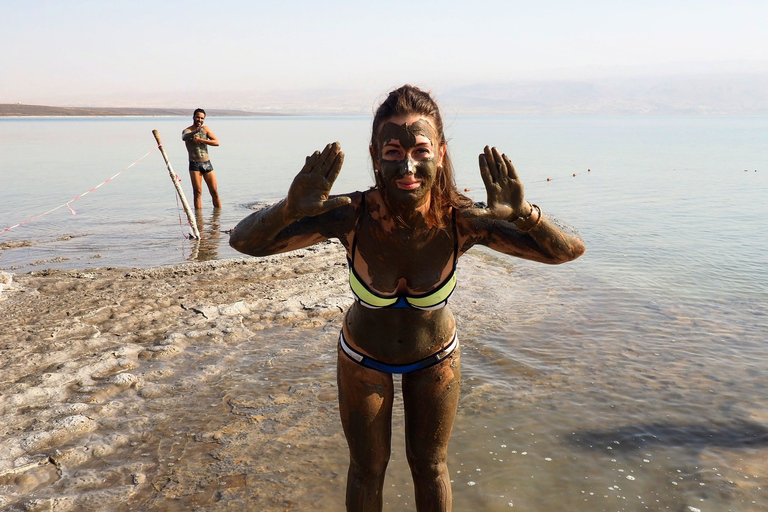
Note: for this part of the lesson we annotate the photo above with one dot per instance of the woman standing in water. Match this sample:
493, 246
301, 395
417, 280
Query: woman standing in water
403, 238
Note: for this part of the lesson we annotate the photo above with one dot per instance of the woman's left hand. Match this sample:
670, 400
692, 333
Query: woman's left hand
503, 186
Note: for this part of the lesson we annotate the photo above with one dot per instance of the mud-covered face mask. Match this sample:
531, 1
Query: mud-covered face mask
412, 158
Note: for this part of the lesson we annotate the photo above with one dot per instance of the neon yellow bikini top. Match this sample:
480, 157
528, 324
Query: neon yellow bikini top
435, 299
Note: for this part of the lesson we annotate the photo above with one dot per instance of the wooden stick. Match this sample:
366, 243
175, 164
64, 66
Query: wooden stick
176, 183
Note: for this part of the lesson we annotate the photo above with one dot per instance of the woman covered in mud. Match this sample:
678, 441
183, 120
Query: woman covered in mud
403, 238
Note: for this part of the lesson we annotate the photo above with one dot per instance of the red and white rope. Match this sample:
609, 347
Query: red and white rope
67, 204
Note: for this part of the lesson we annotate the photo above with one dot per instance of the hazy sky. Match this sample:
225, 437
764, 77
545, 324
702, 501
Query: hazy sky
227, 54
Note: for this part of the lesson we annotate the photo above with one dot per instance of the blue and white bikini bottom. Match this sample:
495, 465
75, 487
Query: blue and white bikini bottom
369, 362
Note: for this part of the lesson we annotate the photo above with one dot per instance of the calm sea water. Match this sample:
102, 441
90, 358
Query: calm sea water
631, 379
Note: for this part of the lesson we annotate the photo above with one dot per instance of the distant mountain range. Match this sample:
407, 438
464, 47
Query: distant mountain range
683, 93
721, 95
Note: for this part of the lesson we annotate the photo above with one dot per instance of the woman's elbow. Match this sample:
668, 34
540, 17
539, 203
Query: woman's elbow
253, 248
575, 250
240, 244
237, 245
558, 253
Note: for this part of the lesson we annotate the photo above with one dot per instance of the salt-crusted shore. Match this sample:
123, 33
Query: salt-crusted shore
98, 367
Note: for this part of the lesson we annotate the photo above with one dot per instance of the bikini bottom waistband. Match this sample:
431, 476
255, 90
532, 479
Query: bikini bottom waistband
369, 362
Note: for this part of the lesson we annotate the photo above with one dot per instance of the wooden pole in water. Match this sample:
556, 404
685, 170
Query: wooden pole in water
175, 179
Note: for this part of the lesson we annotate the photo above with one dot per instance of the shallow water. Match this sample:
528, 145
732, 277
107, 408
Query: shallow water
631, 379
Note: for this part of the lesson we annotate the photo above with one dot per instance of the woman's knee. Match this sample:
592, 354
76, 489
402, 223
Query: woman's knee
369, 465
428, 456
427, 469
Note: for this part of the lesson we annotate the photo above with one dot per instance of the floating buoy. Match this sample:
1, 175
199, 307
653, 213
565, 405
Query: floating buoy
589, 170
466, 190
549, 179
574, 175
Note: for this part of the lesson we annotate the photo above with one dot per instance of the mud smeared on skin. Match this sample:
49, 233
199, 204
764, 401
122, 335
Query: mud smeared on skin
422, 262
423, 169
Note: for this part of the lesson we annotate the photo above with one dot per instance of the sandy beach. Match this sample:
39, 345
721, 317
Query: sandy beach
117, 392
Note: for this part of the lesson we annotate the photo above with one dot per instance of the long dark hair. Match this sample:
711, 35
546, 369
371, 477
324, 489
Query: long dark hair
409, 100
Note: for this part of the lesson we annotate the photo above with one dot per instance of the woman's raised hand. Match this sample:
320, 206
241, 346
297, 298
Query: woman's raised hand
503, 186
311, 188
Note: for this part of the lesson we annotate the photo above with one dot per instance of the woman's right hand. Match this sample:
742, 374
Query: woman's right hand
310, 191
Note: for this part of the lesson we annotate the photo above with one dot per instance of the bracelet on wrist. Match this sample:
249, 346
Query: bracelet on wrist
527, 219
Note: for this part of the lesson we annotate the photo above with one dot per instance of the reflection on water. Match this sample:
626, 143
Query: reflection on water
211, 236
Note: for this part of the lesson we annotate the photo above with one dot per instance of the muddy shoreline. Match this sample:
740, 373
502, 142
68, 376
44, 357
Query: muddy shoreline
101, 368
